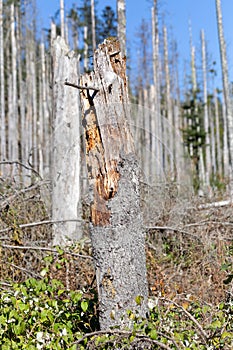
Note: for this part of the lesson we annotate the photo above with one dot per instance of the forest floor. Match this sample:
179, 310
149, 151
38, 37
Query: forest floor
189, 248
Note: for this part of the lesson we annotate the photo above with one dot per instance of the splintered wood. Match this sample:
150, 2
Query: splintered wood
105, 108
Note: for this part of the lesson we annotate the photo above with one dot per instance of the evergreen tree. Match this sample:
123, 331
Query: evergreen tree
107, 24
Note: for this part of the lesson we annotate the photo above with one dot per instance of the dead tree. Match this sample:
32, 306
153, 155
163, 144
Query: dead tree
65, 144
116, 226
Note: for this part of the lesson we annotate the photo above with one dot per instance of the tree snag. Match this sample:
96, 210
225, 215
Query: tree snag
117, 233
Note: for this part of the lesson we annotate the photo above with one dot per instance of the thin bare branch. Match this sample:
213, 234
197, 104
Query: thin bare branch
20, 247
22, 165
81, 87
23, 269
203, 334
39, 223
125, 333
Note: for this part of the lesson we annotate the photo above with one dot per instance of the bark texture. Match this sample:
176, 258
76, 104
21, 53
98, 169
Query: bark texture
117, 232
225, 81
121, 27
66, 145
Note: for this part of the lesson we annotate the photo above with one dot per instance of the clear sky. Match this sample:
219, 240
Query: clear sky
176, 14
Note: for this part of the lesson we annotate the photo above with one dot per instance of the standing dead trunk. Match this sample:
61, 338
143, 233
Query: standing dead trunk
93, 25
206, 114
2, 93
156, 120
226, 90
66, 145
117, 233
62, 15
121, 25
168, 106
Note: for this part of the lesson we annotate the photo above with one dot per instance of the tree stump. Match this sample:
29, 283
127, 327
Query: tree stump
117, 233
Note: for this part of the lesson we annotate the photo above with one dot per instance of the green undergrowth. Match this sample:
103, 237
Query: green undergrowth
42, 314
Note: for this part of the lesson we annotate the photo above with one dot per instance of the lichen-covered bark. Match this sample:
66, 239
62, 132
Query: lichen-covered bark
116, 222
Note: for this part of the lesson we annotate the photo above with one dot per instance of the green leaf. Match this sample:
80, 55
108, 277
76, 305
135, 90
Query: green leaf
153, 334
138, 299
216, 324
84, 305
227, 335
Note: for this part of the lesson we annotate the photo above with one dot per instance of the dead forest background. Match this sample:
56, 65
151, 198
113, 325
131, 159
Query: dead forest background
183, 138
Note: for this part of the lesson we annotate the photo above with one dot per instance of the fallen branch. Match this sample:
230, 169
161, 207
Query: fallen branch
44, 249
33, 224
215, 204
121, 332
24, 270
207, 222
202, 333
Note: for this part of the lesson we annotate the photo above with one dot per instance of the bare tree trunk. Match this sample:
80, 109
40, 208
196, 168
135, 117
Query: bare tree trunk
206, 116
121, 28
66, 144
13, 116
85, 49
2, 92
117, 233
93, 24
225, 81
218, 139
168, 106
201, 167
62, 16
53, 31
22, 93
156, 122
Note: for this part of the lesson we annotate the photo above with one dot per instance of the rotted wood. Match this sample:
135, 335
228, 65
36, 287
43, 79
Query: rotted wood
117, 234
105, 121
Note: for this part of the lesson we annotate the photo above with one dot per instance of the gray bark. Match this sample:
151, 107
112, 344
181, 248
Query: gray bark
93, 24
2, 93
156, 121
117, 233
206, 115
218, 139
85, 49
170, 135
225, 81
66, 145
121, 28
62, 16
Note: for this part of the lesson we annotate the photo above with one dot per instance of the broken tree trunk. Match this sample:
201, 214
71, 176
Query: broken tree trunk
65, 145
117, 233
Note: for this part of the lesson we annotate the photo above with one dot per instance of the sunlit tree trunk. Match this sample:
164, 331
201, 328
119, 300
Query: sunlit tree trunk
117, 233
206, 115
225, 81
218, 139
13, 136
2, 89
93, 24
121, 27
156, 122
85, 48
65, 170
170, 135
62, 16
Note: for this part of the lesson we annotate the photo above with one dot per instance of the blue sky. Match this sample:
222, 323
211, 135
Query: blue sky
176, 14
